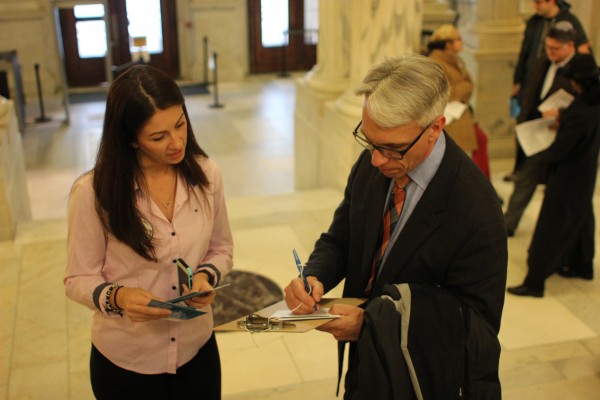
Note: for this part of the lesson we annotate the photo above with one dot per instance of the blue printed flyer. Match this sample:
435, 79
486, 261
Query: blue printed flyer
178, 312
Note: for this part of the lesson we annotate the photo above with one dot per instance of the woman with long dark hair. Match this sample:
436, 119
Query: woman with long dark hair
153, 198
564, 236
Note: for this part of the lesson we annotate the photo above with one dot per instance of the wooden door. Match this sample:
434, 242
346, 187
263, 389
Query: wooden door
288, 41
84, 32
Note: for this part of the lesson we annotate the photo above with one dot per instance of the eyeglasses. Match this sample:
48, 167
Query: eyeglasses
554, 48
394, 154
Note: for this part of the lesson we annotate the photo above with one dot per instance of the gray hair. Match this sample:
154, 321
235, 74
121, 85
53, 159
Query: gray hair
563, 31
404, 89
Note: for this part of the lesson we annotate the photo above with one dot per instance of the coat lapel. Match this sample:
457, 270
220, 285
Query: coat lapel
377, 187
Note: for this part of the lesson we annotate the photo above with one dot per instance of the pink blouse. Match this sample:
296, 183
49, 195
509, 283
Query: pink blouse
199, 234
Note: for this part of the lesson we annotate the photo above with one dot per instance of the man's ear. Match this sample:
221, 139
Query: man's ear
437, 127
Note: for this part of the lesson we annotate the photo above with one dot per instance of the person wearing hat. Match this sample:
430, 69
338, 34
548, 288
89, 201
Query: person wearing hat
563, 240
444, 45
547, 14
548, 78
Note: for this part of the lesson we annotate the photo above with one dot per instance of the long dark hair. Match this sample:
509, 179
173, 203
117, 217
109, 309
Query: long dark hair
132, 100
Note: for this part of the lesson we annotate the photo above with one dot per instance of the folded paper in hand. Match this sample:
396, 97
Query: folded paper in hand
559, 99
196, 294
536, 135
177, 312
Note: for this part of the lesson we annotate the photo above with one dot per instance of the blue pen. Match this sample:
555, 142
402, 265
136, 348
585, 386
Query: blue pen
190, 273
301, 271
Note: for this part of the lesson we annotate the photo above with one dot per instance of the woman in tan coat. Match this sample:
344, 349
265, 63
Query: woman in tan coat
445, 44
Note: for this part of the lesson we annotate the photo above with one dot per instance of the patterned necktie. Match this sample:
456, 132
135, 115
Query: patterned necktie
395, 202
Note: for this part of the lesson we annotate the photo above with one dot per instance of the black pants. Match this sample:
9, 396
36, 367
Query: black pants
200, 378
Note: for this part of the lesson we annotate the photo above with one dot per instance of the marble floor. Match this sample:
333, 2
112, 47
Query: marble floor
551, 346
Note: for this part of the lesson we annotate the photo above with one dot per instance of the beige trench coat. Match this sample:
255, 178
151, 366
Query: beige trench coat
461, 88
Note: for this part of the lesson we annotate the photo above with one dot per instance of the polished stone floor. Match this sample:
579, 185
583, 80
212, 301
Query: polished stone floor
551, 346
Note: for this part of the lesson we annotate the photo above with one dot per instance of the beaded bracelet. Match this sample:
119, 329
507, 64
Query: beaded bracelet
115, 298
107, 305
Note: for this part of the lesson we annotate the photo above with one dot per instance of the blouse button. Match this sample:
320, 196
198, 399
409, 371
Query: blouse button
172, 233
174, 287
172, 339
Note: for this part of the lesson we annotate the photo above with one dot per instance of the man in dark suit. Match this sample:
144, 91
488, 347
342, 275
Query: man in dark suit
547, 79
450, 234
564, 236
548, 13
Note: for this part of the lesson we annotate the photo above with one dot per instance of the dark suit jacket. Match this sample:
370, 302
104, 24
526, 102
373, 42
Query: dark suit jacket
533, 38
455, 237
564, 234
530, 99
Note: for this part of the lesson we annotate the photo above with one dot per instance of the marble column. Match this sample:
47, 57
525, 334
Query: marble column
380, 29
492, 41
220, 22
324, 82
330, 74
14, 197
368, 31
436, 13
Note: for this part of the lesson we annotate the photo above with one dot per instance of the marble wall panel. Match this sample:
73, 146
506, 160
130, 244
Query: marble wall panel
225, 25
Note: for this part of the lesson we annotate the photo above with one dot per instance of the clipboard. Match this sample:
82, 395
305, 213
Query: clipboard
292, 326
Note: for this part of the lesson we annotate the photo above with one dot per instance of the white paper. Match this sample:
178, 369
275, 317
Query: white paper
454, 110
286, 315
559, 99
536, 135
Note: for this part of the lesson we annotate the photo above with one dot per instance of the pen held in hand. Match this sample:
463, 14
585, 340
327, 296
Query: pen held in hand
307, 287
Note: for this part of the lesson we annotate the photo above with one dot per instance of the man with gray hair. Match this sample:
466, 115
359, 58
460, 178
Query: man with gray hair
421, 225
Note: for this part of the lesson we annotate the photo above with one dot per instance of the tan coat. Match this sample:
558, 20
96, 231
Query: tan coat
461, 88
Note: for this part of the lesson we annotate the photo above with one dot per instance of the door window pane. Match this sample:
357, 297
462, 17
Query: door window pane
91, 30
311, 22
91, 38
274, 22
144, 18
89, 11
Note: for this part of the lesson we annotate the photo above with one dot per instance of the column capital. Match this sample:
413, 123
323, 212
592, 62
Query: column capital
436, 13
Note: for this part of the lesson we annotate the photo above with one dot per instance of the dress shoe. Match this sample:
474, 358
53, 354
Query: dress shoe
567, 272
523, 290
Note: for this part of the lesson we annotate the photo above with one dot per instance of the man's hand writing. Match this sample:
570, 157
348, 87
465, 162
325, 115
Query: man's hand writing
298, 299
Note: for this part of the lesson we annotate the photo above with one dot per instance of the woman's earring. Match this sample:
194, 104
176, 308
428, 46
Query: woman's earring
135, 145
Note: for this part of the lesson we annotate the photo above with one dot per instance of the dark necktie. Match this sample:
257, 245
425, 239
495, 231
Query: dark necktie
395, 202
